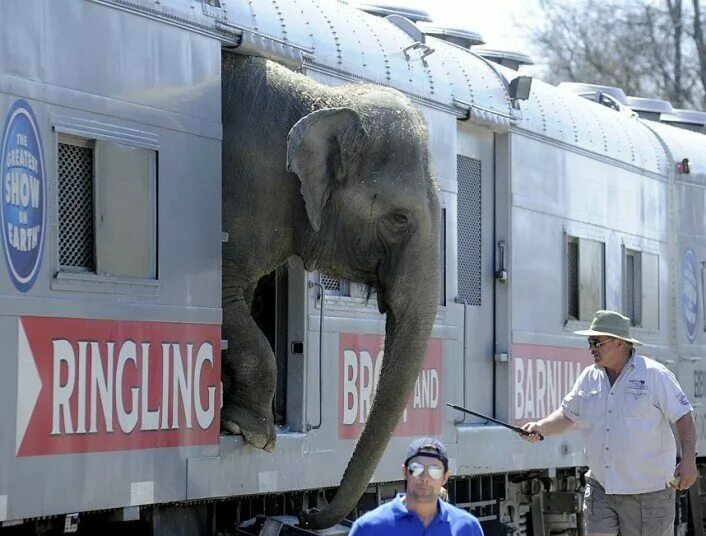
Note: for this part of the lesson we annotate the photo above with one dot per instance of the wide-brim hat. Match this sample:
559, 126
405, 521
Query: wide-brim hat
610, 324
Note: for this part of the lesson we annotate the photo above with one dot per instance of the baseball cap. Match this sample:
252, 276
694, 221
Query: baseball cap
430, 447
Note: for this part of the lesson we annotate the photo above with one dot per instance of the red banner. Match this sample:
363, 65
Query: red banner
102, 385
360, 361
540, 377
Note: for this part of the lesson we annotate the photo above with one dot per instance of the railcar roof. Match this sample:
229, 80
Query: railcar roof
348, 41
345, 41
683, 144
589, 126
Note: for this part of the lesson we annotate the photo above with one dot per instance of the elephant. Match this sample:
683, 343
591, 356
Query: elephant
339, 177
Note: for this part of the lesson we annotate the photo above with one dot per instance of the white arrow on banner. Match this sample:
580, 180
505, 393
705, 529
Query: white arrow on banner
29, 384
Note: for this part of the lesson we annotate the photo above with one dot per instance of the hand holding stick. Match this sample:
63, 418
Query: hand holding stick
496, 421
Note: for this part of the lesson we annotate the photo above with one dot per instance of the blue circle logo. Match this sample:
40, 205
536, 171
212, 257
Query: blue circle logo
23, 206
689, 294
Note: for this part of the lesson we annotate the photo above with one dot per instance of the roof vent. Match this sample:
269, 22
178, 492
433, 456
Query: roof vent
383, 10
462, 37
612, 97
650, 108
687, 119
507, 58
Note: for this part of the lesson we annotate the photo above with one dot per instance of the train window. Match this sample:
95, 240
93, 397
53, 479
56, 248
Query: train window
98, 181
632, 294
649, 264
469, 229
591, 280
76, 214
641, 288
585, 268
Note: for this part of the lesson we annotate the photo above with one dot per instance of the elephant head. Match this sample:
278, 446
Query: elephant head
374, 214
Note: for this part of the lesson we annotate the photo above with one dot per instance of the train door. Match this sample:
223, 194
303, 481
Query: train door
269, 309
475, 263
277, 308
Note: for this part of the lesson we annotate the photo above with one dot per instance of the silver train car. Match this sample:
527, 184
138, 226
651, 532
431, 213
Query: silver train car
553, 207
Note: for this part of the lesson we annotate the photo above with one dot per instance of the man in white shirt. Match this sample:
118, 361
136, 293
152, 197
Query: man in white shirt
624, 405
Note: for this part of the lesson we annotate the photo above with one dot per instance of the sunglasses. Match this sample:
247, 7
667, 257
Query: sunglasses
594, 343
416, 470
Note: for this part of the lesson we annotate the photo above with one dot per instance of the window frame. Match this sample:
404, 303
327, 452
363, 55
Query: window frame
637, 283
582, 238
64, 128
648, 253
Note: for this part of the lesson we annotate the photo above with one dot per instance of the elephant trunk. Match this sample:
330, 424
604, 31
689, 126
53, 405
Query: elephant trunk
412, 302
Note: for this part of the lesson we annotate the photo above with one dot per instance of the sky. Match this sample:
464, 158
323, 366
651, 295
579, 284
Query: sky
501, 23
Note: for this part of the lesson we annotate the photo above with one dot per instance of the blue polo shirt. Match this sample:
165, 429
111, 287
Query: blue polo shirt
394, 518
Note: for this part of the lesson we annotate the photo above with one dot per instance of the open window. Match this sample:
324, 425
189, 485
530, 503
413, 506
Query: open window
632, 285
585, 277
107, 208
641, 288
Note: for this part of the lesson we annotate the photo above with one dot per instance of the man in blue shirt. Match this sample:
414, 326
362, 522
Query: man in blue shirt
419, 510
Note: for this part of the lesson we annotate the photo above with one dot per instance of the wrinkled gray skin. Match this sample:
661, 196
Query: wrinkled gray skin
339, 177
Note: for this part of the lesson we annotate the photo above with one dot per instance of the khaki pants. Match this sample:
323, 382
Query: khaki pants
643, 514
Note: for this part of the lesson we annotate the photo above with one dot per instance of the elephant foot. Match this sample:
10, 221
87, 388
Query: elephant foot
229, 426
258, 430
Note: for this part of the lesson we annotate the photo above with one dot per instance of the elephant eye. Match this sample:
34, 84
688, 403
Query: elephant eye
397, 221
400, 219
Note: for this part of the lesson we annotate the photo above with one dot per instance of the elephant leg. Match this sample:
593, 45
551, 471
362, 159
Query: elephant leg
249, 375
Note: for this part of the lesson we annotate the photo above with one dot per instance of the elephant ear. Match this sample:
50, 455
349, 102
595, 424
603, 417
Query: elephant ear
319, 148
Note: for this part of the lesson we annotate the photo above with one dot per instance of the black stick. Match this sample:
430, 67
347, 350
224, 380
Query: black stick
501, 423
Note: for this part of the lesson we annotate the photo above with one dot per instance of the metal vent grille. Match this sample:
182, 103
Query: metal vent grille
630, 288
331, 284
76, 233
572, 277
335, 286
469, 229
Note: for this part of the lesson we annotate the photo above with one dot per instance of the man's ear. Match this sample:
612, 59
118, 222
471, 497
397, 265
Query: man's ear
319, 148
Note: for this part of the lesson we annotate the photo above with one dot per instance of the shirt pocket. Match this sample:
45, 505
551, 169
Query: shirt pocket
589, 401
636, 403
